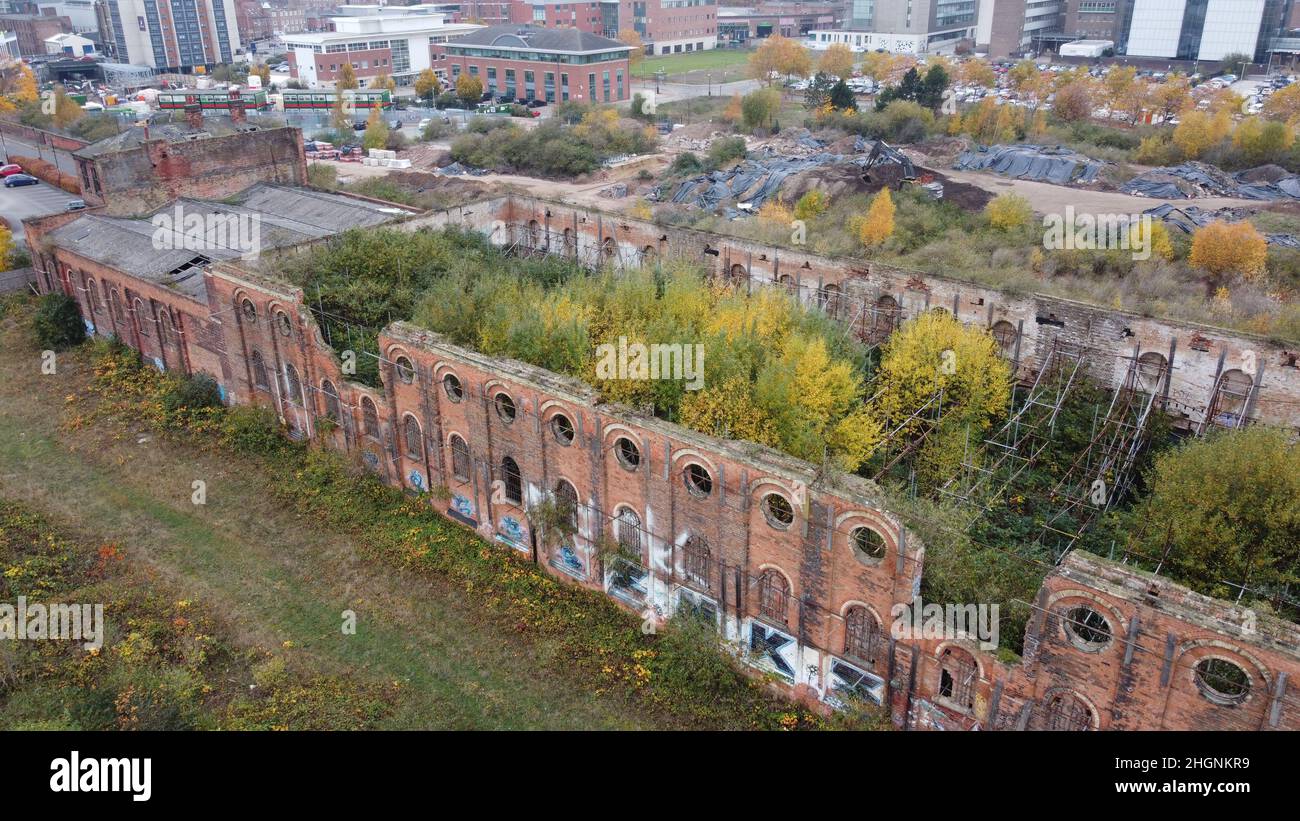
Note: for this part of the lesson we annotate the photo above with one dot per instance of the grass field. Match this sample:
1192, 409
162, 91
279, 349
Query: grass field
717, 59
274, 576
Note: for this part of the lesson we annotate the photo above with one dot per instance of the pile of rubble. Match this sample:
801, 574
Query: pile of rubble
1196, 179
1188, 218
872, 165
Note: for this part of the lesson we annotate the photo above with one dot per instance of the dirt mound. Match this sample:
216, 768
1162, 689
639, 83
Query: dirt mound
1264, 173
846, 179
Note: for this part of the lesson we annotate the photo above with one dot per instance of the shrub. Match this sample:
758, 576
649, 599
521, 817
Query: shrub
252, 429
1223, 248
193, 392
58, 323
686, 163
725, 150
1008, 212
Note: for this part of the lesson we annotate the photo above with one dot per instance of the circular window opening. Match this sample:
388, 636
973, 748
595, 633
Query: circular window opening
698, 480
562, 429
250, 310
778, 511
451, 385
405, 370
505, 407
628, 454
282, 322
1088, 629
867, 543
1222, 682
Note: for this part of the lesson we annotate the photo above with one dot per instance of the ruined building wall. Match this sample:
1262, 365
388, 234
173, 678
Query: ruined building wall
811, 608
136, 180
1196, 369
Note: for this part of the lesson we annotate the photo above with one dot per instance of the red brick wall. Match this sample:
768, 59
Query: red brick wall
143, 178
1141, 677
579, 77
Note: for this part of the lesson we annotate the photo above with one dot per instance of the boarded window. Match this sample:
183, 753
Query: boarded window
369, 417
773, 596
514, 482
861, 635
459, 458
411, 437
699, 561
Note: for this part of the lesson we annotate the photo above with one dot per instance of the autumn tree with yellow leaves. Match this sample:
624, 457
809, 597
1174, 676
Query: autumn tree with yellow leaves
836, 61
1222, 249
878, 225
935, 352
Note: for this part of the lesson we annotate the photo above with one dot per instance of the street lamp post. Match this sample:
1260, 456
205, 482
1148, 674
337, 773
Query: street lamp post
709, 75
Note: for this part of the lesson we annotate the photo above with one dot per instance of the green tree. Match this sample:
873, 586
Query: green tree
1225, 510
57, 322
759, 108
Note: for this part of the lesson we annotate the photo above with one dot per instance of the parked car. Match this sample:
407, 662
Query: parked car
15, 180
535, 103
423, 124
9, 169
394, 124
75, 205
359, 125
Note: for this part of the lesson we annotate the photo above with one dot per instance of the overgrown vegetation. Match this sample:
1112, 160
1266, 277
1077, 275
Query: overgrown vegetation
556, 147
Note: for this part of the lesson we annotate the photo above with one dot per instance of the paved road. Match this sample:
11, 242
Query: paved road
31, 201
13, 145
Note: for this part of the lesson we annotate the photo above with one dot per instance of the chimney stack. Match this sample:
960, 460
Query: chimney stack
237, 114
193, 114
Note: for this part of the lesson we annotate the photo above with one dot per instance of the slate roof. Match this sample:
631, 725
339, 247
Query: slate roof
285, 217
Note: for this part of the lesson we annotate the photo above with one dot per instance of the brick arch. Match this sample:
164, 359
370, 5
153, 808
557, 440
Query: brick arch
1190, 653
1119, 623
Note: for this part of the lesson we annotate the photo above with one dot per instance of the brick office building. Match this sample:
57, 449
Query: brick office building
555, 65
591, 16
808, 594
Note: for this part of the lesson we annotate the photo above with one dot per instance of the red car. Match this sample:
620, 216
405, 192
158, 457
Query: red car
10, 169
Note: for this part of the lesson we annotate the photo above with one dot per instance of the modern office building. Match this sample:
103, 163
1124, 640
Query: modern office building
903, 26
1201, 29
397, 41
178, 36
